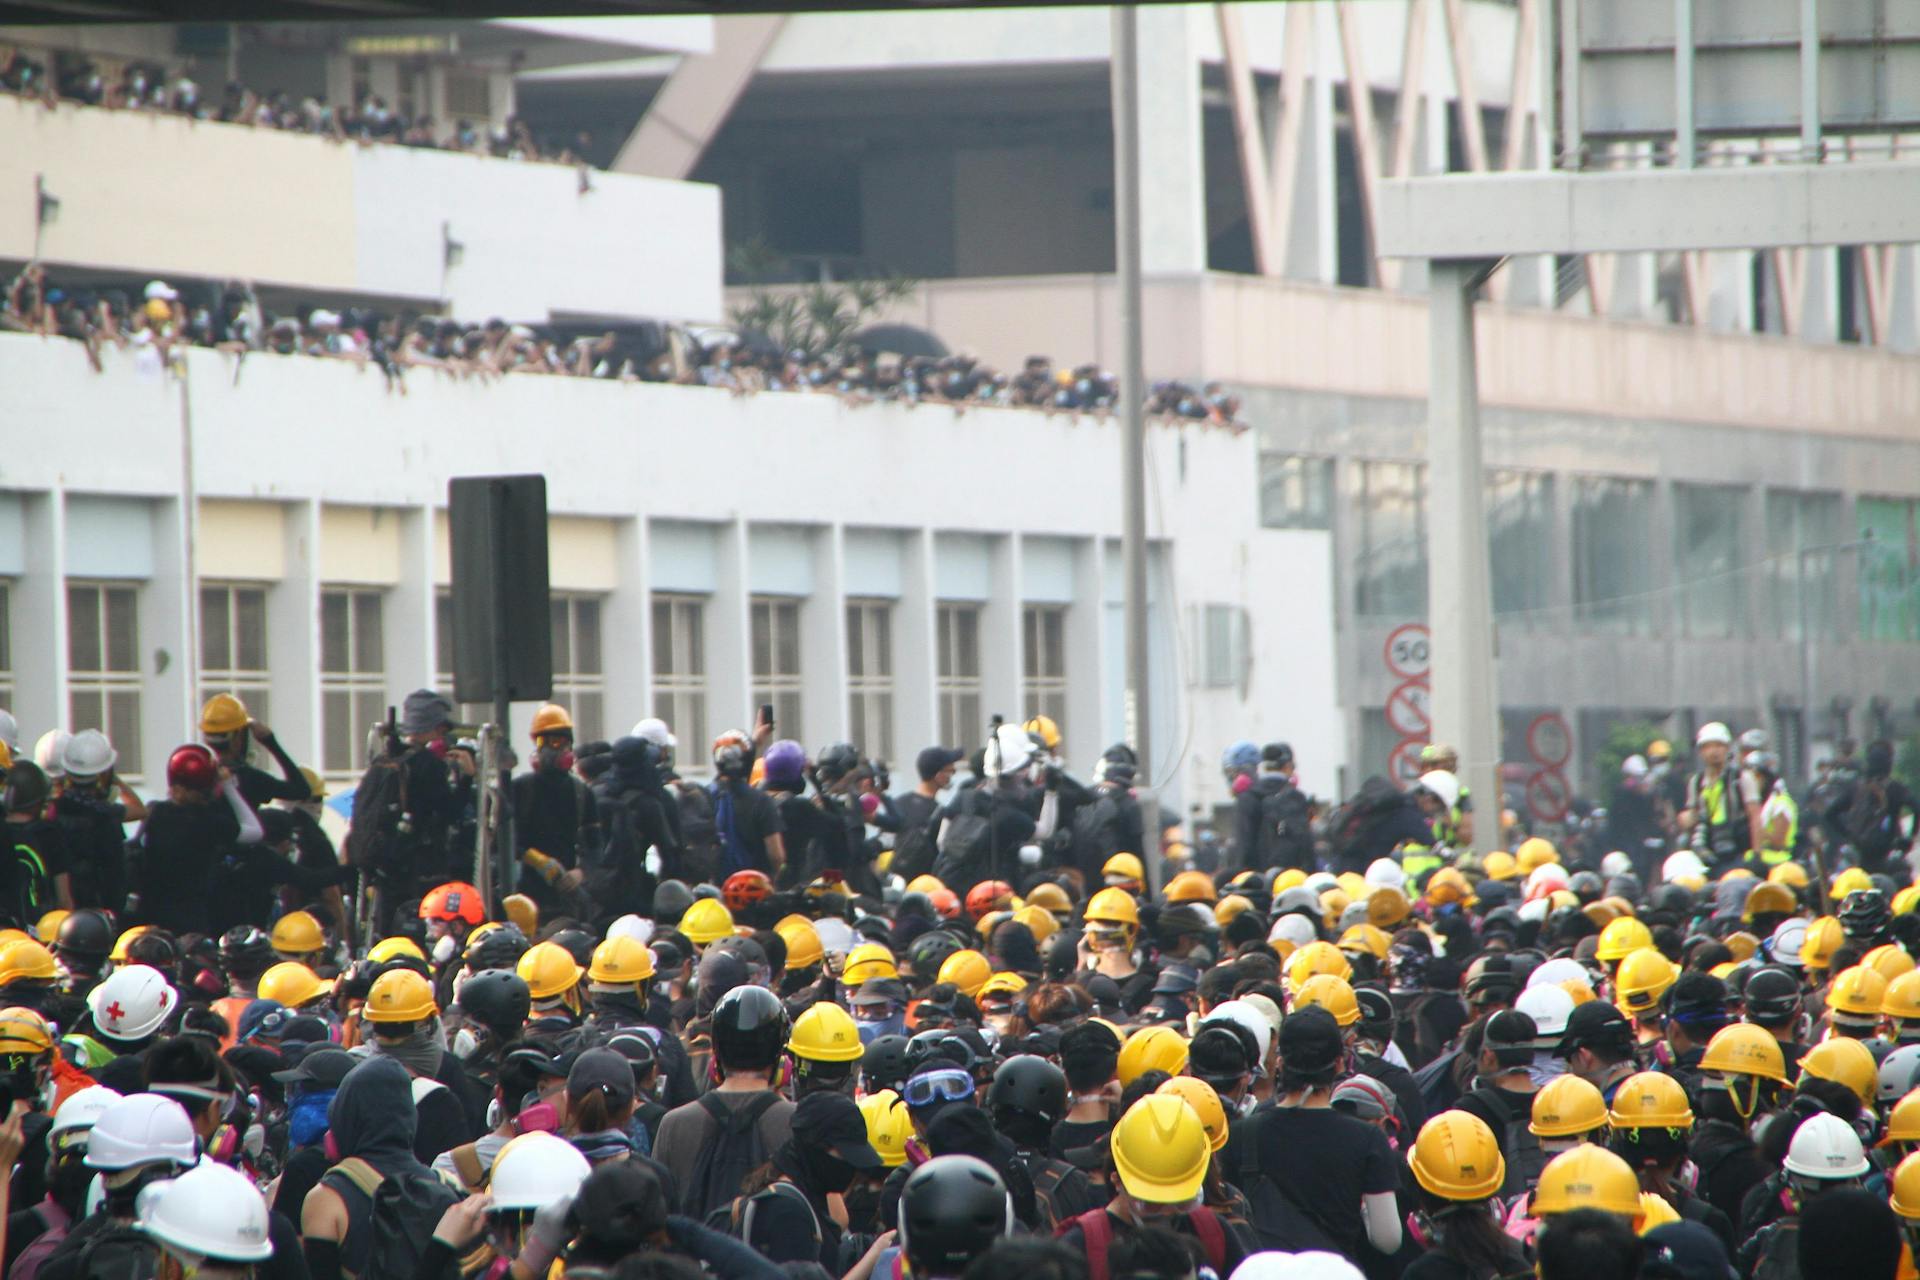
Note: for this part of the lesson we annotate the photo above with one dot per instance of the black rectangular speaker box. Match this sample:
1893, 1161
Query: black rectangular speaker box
500, 612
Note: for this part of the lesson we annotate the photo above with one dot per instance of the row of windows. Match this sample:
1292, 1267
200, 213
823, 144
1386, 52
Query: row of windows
1614, 585
104, 673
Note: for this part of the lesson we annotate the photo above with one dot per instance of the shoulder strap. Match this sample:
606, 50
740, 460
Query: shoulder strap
361, 1174
466, 1163
1213, 1236
1097, 1230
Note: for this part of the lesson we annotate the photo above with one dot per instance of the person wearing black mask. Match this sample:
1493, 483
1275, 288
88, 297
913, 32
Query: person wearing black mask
637, 814
784, 1213
554, 812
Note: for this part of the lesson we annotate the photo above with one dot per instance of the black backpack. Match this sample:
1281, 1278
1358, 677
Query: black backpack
913, 849
1518, 1144
1096, 830
737, 1218
374, 838
965, 841
1286, 829
1866, 817
733, 1151
406, 1209
118, 1252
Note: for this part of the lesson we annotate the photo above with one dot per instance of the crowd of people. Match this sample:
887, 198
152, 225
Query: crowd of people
796, 1022
160, 319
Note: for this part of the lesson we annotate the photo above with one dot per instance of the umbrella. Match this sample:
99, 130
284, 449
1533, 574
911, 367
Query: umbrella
901, 340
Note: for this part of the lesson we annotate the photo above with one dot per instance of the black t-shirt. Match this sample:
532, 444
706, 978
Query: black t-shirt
257, 786
1069, 1135
182, 844
755, 817
1350, 1160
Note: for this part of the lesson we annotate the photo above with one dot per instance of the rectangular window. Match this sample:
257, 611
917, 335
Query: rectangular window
680, 675
1709, 569
233, 644
1798, 522
1219, 645
579, 675
469, 94
1520, 539
353, 675
1390, 525
870, 676
774, 633
1889, 569
103, 665
957, 670
1045, 687
1296, 491
1613, 555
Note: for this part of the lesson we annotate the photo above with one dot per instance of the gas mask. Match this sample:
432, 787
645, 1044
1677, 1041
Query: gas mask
554, 756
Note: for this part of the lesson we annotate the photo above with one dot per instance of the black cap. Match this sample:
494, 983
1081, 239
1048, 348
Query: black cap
1684, 1251
1696, 997
1596, 1023
932, 760
617, 1208
1310, 1040
323, 1067
1218, 1054
1511, 1029
606, 1071
832, 1123
880, 991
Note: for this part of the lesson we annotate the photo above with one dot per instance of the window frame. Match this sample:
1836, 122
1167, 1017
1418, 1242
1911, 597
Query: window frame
776, 681
252, 685
960, 692
1043, 684
871, 689
365, 689
681, 689
582, 693
108, 682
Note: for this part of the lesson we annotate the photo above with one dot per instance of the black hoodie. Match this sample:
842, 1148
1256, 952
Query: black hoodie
371, 1117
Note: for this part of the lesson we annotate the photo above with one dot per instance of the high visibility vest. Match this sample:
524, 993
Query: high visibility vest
1780, 801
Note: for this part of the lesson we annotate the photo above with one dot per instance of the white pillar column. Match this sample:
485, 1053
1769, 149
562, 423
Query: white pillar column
1000, 663
168, 716
823, 641
411, 649
1173, 223
626, 635
916, 697
39, 619
293, 634
729, 661
1086, 643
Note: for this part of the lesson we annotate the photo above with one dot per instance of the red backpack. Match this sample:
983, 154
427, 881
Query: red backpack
1096, 1228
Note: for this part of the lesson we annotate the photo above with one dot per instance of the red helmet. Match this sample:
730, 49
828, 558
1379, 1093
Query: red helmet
946, 902
454, 900
989, 895
193, 767
744, 888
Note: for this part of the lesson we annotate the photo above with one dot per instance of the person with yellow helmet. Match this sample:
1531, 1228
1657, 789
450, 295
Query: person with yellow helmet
1587, 1177
556, 816
1152, 1049
1567, 1112
1458, 1169
1742, 1076
1901, 1008
1903, 1196
402, 1020
297, 936
825, 1047
1107, 945
1638, 985
1844, 1062
1123, 871
1650, 1123
1853, 999
553, 979
230, 731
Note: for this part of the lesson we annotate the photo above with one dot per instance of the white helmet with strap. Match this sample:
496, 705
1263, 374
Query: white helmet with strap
210, 1212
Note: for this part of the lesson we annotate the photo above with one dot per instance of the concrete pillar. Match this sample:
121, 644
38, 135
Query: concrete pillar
626, 635
729, 657
916, 697
1173, 212
168, 714
1313, 250
409, 613
293, 635
1460, 606
39, 598
1086, 641
1820, 303
1000, 641
823, 641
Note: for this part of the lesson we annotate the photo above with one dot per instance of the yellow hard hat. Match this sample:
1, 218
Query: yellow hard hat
968, 970
1192, 886
1587, 1177
1580, 991
1650, 1100
621, 961
1742, 944
550, 718
1230, 908
549, 970
1905, 900
316, 785
1039, 921
1621, 939
1368, 938
1205, 1103
1848, 881
1447, 886
889, 1125
1889, 961
1902, 999
387, 948
1333, 904
1317, 958
1769, 898
1160, 1149
1791, 874
1353, 884
868, 960
1043, 728
1124, 867
1906, 1188
1567, 1106
1113, 906
825, 1033
1291, 878
1534, 852
1747, 1050
1903, 1122
400, 995
1387, 907
224, 713
1643, 977
925, 884
523, 913
1602, 912
804, 949
1050, 896
1858, 991
1001, 984
298, 933
48, 926
1331, 993
24, 1031
292, 984
1456, 1157
1500, 865
26, 961
1654, 1212
1843, 1061
1824, 937
1151, 1049
707, 920
1737, 873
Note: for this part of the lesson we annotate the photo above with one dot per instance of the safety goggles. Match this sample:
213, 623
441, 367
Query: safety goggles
933, 1087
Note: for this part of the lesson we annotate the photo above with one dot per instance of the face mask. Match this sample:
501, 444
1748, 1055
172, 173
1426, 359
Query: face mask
439, 748
443, 950
465, 1044
541, 1117
555, 758
891, 1025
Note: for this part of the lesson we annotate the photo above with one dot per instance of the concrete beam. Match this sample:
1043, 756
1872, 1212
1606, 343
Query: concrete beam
697, 98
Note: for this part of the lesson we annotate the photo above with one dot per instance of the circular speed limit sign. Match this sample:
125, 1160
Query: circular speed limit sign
1409, 651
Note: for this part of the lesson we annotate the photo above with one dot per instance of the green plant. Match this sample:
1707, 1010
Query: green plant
813, 318
1628, 738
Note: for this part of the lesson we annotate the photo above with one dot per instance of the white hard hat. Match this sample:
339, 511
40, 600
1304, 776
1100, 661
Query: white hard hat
1784, 944
1318, 883
1616, 864
1356, 913
1315, 1264
1293, 927
132, 1003
50, 753
10, 732
82, 1109
1556, 971
1543, 880
1549, 1006
1899, 1073
1634, 766
1242, 1014
639, 928
1443, 785
1385, 872
142, 1128
88, 754
1009, 750
534, 1170
1825, 1146
208, 1212
1685, 863
1713, 731
655, 730
1533, 911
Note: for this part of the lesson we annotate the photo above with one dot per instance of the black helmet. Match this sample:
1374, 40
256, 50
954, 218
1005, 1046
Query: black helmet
930, 950
496, 949
1586, 885
837, 761
496, 998
1376, 1012
577, 943
85, 934
749, 1028
1675, 899
246, 950
27, 790
158, 950
951, 1211
884, 1064
1184, 918
1772, 996
671, 898
1865, 915
944, 1043
1030, 1086
916, 904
